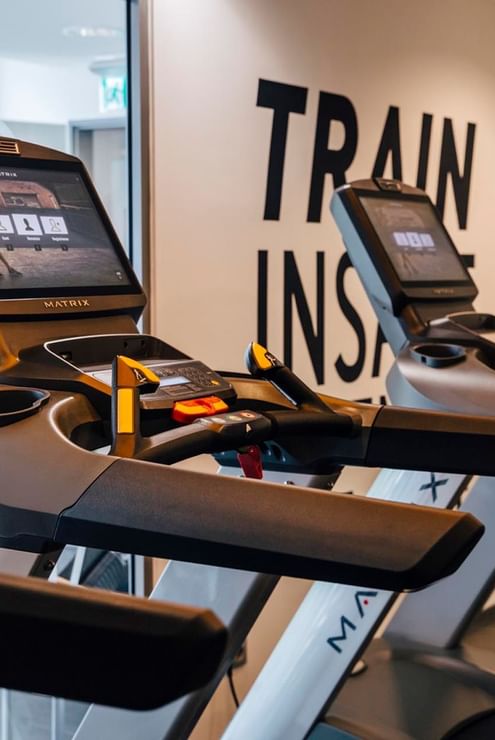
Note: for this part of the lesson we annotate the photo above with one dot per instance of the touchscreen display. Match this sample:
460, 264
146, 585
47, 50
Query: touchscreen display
415, 240
51, 235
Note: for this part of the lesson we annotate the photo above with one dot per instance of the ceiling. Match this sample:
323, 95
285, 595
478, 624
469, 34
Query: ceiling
32, 30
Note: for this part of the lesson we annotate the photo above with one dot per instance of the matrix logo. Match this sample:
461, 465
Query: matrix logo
66, 303
362, 599
433, 484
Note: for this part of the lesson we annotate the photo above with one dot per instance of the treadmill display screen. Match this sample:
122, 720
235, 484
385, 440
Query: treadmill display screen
53, 239
415, 240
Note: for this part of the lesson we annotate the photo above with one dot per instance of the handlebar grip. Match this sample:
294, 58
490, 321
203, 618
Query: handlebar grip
309, 422
129, 379
416, 439
209, 434
179, 444
262, 364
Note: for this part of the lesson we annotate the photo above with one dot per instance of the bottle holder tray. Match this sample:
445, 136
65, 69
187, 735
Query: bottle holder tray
19, 403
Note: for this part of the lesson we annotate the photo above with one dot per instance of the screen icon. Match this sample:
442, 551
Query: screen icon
6, 225
413, 239
400, 239
427, 240
27, 225
53, 225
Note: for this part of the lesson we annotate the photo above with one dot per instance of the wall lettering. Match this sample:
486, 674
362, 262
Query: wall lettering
285, 99
349, 373
293, 289
326, 161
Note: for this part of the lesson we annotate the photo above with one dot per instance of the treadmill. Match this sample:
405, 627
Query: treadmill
78, 379
426, 679
433, 673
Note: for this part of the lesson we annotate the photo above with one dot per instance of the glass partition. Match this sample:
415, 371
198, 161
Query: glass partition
64, 84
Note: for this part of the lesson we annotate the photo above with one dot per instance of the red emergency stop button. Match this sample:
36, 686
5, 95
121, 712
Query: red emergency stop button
184, 412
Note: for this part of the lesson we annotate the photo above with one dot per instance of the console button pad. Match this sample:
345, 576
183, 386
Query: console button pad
180, 380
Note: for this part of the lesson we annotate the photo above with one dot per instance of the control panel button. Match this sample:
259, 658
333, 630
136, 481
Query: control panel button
185, 412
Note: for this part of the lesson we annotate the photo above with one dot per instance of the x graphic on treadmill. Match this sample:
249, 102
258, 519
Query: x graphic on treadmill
433, 484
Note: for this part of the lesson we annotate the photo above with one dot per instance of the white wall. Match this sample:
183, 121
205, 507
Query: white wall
211, 145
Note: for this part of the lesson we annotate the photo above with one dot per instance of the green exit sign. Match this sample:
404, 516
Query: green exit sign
113, 93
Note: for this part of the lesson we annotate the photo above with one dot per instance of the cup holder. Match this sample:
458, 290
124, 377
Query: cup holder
19, 403
438, 355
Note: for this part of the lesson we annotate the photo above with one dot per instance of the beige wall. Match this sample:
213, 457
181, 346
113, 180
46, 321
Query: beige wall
210, 149
211, 145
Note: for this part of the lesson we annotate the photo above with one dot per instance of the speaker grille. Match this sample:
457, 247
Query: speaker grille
9, 146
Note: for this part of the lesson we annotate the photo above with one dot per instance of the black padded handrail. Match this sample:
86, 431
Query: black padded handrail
150, 509
94, 646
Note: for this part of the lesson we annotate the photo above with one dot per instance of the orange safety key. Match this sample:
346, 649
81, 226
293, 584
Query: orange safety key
184, 412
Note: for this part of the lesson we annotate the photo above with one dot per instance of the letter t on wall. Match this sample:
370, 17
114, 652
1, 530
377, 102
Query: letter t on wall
331, 161
284, 99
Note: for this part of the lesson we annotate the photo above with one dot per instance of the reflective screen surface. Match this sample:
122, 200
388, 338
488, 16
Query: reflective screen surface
415, 240
51, 234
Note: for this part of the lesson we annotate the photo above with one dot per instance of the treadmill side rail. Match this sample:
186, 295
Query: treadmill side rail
150, 509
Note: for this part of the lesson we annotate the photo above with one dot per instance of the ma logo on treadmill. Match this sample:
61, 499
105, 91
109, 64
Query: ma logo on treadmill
346, 625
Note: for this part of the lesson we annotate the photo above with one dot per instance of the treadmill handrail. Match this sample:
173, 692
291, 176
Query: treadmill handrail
48, 628
141, 507
150, 509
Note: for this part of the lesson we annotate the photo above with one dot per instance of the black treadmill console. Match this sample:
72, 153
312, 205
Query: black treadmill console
59, 254
180, 380
85, 364
403, 253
